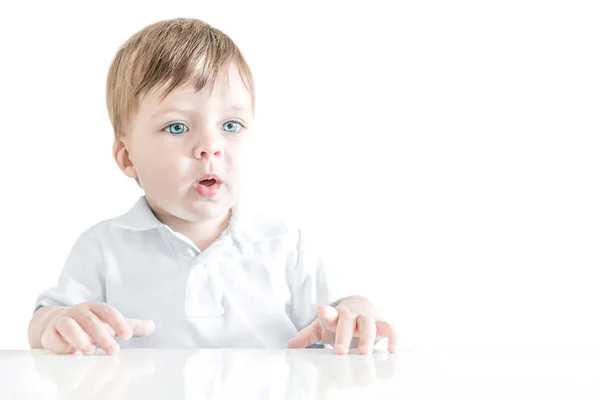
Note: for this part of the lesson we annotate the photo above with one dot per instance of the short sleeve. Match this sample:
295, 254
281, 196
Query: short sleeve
81, 279
312, 282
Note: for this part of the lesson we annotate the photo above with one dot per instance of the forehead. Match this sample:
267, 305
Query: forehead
227, 91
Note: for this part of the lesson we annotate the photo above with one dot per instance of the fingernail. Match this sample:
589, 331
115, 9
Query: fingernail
113, 350
90, 350
341, 349
147, 327
75, 352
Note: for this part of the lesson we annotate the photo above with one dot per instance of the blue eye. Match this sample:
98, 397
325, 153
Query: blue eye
232, 126
176, 128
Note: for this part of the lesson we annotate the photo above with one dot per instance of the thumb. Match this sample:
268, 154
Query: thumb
141, 327
307, 336
328, 316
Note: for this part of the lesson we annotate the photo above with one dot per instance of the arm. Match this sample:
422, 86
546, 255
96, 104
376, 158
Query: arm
310, 282
81, 280
327, 317
74, 315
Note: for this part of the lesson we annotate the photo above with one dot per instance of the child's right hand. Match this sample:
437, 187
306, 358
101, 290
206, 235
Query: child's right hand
79, 328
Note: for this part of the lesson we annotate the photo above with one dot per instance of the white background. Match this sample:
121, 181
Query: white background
448, 150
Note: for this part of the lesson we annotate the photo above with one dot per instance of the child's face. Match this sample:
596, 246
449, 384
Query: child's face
175, 143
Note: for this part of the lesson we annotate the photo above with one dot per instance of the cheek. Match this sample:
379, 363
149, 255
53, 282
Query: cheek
234, 169
165, 166
237, 156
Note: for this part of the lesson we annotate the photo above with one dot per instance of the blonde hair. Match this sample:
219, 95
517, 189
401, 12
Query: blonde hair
169, 53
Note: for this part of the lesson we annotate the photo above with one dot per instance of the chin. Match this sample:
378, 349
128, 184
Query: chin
204, 210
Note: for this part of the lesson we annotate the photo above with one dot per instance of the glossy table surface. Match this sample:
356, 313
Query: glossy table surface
501, 372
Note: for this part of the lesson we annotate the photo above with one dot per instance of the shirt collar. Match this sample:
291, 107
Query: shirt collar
244, 227
139, 218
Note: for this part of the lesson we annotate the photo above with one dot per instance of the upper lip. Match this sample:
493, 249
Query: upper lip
210, 176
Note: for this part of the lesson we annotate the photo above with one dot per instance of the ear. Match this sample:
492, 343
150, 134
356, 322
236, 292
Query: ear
121, 156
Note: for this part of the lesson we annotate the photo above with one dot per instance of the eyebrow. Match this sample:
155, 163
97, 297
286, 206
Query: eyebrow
172, 110
185, 110
237, 107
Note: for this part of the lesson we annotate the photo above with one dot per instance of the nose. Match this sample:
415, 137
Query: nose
208, 146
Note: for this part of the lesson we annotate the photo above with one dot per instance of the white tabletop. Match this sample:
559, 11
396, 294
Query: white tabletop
444, 373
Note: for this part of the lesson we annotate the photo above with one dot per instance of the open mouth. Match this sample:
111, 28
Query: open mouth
208, 182
209, 186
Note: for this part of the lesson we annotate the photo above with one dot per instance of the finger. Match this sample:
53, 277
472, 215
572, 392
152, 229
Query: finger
386, 330
141, 327
367, 332
328, 316
75, 351
52, 341
72, 333
113, 318
92, 325
346, 327
307, 336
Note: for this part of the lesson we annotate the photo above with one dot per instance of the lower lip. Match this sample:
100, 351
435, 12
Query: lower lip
208, 191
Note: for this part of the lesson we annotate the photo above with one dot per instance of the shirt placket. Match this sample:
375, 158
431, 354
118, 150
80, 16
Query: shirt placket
203, 296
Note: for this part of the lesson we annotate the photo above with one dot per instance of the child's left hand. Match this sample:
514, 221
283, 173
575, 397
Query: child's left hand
353, 317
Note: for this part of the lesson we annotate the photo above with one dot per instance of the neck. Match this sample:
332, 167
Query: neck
201, 233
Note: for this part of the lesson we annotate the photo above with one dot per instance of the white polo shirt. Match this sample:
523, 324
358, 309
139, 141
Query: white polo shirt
256, 286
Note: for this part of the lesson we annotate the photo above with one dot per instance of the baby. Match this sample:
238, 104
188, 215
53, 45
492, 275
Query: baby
189, 266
